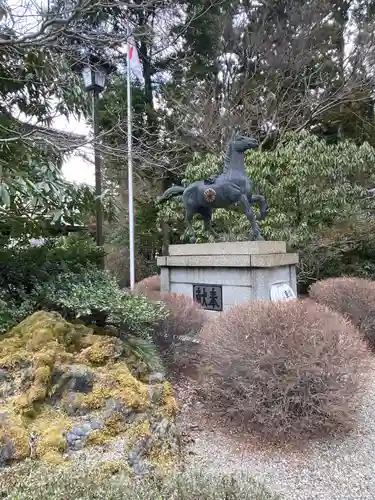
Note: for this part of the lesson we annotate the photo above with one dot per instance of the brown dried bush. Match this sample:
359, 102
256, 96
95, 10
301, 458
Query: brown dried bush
176, 336
150, 287
283, 370
352, 297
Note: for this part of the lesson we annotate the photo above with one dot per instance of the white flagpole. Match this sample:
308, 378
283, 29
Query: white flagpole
130, 175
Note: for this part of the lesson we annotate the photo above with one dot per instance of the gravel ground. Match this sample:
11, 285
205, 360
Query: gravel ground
335, 470
91, 456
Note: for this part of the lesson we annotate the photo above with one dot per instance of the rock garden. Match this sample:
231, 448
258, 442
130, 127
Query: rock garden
106, 393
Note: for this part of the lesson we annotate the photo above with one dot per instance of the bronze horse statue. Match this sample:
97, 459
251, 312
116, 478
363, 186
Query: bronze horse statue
231, 187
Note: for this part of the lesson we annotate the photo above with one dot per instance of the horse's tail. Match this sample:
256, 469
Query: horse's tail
170, 193
263, 206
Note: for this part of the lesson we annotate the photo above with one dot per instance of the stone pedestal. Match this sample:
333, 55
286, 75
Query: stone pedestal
220, 275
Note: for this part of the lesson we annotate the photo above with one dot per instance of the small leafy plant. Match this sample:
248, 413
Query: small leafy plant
12, 313
94, 296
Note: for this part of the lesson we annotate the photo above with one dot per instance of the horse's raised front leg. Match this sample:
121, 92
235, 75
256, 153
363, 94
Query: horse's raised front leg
263, 206
244, 202
189, 223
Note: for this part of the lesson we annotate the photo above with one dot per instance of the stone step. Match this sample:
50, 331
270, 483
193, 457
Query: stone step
229, 248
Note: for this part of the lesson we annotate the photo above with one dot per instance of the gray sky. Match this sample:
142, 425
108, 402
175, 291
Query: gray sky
24, 18
75, 168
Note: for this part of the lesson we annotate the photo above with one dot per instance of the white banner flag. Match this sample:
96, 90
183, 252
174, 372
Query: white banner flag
135, 63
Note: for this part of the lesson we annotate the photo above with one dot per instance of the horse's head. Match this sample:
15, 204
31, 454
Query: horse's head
241, 142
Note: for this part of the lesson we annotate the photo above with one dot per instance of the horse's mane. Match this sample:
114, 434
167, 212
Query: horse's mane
228, 154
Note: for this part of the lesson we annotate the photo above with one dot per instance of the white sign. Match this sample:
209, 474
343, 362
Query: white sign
282, 291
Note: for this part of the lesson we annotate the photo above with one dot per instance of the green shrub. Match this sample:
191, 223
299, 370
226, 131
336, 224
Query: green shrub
63, 274
345, 249
94, 296
283, 370
11, 314
26, 268
352, 297
109, 481
23, 267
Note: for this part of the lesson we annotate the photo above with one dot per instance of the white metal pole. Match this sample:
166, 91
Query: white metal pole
130, 175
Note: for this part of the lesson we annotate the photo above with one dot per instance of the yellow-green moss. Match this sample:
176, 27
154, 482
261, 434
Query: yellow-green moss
94, 400
25, 402
89, 339
42, 374
139, 430
98, 437
47, 356
162, 457
14, 430
42, 327
100, 351
43, 335
49, 417
116, 381
45, 344
168, 403
37, 394
114, 425
53, 458
42, 339
50, 428
12, 352
51, 439
159, 452
21, 405
133, 393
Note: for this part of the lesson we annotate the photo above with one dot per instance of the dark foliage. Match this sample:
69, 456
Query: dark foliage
24, 267
346, 249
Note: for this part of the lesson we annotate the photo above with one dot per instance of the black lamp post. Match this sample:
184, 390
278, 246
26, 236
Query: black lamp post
95, 74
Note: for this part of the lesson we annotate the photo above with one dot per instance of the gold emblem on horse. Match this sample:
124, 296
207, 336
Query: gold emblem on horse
209, 195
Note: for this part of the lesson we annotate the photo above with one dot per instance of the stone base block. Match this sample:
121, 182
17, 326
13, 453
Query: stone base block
220, 275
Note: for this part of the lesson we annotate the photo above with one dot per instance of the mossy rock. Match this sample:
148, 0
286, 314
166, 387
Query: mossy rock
14, 438
73, 388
